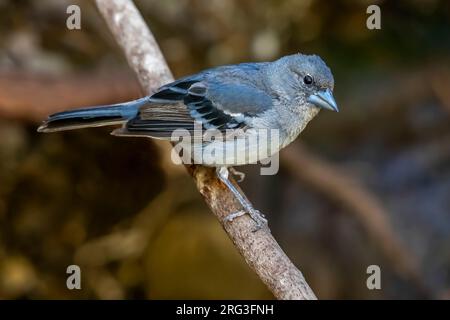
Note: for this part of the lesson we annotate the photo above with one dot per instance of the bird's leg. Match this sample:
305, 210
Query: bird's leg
258, 217
240, 175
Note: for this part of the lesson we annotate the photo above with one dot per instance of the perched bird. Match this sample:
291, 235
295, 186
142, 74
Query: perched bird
280, 96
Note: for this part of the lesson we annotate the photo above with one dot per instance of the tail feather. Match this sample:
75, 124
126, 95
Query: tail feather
92, 117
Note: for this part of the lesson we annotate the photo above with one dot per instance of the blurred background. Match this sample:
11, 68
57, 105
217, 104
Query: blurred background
368, 185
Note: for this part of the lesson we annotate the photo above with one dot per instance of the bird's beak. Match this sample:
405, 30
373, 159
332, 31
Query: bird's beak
324, 99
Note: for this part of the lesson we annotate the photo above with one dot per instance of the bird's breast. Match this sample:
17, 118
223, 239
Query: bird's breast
228, 150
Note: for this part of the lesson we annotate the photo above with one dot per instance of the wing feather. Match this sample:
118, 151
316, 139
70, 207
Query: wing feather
216, 99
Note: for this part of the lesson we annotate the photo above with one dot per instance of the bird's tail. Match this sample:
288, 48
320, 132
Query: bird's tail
92, 116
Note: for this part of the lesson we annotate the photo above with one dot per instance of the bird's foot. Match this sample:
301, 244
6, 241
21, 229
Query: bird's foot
234, 215
256, 215
240, 175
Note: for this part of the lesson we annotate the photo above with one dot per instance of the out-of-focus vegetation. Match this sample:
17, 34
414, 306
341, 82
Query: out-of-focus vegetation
136, 225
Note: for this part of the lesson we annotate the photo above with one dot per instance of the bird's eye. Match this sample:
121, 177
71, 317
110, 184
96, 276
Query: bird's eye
308, 79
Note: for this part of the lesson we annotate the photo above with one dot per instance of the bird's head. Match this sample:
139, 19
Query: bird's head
305, 78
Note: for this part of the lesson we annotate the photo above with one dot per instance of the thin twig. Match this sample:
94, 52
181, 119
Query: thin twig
259, 249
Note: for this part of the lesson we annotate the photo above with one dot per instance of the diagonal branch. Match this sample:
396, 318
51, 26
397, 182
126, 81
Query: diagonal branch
259, 249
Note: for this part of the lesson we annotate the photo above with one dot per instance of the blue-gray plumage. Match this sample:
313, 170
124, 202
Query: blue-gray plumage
283, 95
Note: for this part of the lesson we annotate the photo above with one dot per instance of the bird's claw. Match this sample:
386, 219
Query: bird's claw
234, 215
240, 175
256, 215
259, 218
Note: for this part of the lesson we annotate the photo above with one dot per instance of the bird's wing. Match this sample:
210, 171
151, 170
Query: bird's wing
213, 101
